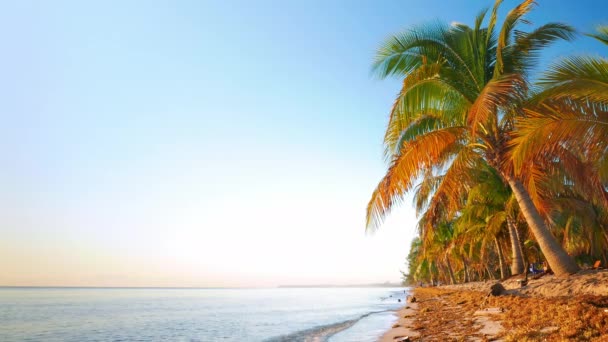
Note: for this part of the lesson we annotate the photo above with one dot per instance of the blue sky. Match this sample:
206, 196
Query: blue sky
205, 143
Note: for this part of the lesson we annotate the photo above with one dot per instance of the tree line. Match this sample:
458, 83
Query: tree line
504, 169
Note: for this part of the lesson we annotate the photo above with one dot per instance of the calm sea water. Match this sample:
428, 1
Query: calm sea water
282, 314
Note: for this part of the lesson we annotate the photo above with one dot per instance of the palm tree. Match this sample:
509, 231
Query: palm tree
460, 96
564, 132
567, 120
486, 215
517, 257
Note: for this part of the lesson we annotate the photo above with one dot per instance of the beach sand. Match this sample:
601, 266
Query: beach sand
549, 309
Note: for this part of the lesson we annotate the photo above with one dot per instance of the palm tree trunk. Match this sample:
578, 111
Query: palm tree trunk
500, 259
491, 274
466, 271
450, 271
560, 262
517, 263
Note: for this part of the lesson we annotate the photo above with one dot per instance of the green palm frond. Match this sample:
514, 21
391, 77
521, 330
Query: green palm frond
496, 222
523, 55
422, 125
514, 17
492, 22
579, 77
423, 94
404, 52
601, 35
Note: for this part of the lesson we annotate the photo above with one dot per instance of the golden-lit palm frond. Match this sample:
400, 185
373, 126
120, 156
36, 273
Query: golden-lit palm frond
602, 166
569, 175
492, 22
533, 179
582, 224
414, 157
513, 18
562, 174
499, 92
425, 190
548, 127
455, 184
422, 125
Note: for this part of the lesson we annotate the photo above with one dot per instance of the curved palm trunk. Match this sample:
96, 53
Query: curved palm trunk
560, 262
517, 263
500, 259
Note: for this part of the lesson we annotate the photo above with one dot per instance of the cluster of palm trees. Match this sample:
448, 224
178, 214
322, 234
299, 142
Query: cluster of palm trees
504, 170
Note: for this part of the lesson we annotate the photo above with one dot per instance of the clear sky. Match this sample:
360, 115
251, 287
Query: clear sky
205, 143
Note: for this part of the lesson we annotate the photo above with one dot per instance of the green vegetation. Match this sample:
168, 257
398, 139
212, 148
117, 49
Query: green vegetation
501, 166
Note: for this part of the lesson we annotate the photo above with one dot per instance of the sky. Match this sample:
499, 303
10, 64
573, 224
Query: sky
206, 143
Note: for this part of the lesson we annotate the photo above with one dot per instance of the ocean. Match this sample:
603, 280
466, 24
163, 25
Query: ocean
153, 314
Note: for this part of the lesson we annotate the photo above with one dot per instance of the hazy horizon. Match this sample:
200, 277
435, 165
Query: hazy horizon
215, 144
385, 284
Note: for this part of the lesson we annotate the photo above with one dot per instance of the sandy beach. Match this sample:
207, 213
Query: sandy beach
549, 309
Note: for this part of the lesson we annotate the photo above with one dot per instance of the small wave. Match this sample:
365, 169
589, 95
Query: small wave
321, 333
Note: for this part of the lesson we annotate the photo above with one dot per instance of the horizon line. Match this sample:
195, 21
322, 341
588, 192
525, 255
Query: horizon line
200, 287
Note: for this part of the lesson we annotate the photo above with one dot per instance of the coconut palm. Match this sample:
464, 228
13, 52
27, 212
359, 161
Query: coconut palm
461, 91
484, 217
563, 132
567, 120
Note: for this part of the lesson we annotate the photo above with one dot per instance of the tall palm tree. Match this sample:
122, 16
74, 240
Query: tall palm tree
461, 90
517, 256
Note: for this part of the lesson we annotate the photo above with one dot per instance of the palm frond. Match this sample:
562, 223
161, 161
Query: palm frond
425, 190
523, 55
499, 92
601, 35
453, 187
550, 126
423, 93
496, 222
406, 51
405, 168
513, 18
493, 20
578, 77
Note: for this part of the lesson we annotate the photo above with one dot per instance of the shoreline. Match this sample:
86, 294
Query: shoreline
403, 326
549, 308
